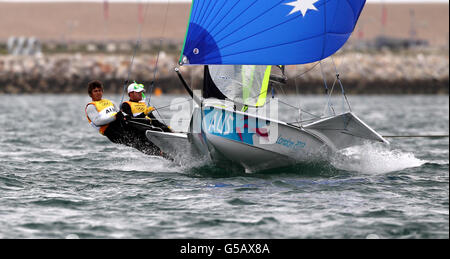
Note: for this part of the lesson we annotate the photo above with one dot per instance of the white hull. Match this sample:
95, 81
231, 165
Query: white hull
230, 137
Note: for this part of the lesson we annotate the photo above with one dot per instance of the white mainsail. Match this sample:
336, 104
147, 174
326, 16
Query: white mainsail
245, 84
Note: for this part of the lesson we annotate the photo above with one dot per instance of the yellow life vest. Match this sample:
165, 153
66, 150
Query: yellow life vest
137, 108
105, 108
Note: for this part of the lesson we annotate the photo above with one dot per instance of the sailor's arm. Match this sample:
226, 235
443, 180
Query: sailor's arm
125, 108
96, 117
149, 110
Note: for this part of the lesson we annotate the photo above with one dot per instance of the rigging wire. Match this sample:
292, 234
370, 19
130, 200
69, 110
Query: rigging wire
157, 60
280, 87
329, 103
308, 120
159, 53
284, 93
307, 71
329, 99
416, 136
299, 108
297, 92
168, 106
340, 83
276, 85
327, 91
136, 47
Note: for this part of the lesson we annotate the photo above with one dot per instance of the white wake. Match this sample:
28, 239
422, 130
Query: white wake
374, 158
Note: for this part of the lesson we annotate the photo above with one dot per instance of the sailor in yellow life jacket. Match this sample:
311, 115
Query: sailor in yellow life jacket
104, 116
137, 108
102, 113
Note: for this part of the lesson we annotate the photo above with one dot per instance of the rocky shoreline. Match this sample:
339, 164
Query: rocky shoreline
361, 73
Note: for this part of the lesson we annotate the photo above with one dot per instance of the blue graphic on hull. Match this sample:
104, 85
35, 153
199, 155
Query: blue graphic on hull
234, 126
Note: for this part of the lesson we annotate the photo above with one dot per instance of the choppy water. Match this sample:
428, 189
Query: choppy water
60, 179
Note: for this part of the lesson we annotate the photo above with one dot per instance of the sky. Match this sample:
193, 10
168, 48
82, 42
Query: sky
173, 1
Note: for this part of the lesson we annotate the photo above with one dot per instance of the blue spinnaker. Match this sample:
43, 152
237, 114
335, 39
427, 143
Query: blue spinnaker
268, 32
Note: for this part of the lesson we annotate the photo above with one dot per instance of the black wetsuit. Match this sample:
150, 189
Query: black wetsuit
157, 125
123, 132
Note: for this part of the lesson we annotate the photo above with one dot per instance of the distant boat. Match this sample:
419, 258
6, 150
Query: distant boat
241, 44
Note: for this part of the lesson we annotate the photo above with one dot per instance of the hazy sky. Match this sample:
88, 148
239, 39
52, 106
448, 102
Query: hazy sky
173, 1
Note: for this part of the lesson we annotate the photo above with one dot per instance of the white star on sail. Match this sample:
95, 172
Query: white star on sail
302, 6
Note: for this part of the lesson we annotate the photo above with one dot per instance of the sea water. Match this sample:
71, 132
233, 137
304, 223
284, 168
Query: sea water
61, 179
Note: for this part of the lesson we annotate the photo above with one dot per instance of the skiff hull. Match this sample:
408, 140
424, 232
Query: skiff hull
228, 137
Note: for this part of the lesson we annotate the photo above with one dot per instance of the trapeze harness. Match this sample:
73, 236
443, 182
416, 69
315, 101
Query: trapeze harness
106, 109
137, 108
141, 110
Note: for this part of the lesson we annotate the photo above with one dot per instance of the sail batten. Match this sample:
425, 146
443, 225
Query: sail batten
287, 31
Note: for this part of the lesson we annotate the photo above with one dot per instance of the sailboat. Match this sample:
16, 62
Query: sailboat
241, 44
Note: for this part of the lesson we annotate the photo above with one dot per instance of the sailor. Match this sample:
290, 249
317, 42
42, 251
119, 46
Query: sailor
104, 116
136, 108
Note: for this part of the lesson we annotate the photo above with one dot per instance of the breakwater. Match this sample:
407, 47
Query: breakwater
361, 73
